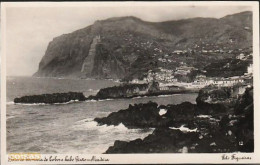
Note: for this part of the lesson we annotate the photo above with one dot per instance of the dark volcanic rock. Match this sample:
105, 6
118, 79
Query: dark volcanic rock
181, 114
128, 90
211, 109
245, 100
227, 129
137, 116
122, 91
51, 98
160, 141
174, 141
213, 93
147, 115
245, 122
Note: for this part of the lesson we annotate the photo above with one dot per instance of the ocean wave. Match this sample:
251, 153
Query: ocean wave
34, 104
90, 124
106, 100
93, 90
106, 128
10, 117
184, 129
71, 101
162, 112
10, 103
29, 104
168, 95
138, 97
91, 101
93, 125
204, 116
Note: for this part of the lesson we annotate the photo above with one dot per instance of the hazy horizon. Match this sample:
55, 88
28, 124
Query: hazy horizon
30, 29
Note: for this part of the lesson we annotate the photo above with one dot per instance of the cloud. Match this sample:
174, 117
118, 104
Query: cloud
30, 29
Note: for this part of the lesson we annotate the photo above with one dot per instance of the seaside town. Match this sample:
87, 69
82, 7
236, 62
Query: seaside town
168, 78
126, 85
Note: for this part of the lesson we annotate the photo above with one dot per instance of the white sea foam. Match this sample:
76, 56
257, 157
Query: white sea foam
34, 104
28, 104
162, 112
89, 101
204, 116
138, 97
9, 117
106, 100
71, 101
106, 128
93, 90
213, 119
10, 103
164, 95
90, 124
184, 129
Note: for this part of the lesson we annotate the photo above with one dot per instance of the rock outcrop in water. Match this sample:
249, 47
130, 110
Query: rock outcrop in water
186, 127
148, 115
122, 91
137, 116
51, 98
136, 90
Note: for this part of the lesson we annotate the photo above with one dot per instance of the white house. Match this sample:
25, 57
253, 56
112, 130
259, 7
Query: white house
250, 69
240, 56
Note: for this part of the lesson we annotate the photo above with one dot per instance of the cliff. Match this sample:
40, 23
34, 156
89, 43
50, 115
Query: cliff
127, 47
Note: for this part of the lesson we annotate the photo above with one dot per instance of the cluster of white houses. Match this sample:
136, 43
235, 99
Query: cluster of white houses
166, 78
202, 80
164, 75
230, 81
184, 70
242, 56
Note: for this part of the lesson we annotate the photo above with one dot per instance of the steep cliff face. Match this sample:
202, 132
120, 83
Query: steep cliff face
88, 64
128, 46
65, 54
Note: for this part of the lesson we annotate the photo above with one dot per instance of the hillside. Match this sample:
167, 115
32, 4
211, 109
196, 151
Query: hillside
127, 47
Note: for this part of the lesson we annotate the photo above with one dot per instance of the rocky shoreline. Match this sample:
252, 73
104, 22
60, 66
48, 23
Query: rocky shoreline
125, 91
205, 127
221, 121
51, 98
136, 90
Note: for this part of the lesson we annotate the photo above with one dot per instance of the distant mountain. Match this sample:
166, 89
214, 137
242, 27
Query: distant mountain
127, 47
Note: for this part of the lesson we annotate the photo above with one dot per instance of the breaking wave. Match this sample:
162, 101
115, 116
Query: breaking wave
184, 129
33, 104
91, 124
93, 101
93, 90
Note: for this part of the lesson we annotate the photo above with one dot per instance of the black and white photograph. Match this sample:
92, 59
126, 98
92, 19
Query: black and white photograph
129, 78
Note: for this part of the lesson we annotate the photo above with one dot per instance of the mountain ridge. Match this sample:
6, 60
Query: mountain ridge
124, 40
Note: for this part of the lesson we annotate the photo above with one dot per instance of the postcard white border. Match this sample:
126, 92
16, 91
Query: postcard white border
142, 158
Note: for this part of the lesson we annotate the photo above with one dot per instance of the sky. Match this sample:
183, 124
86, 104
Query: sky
30, 29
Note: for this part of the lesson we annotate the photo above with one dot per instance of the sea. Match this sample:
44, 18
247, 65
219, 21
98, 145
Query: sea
69, 127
